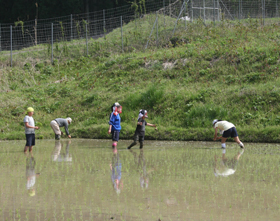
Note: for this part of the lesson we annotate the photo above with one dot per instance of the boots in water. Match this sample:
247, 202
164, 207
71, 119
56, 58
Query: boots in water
131, 145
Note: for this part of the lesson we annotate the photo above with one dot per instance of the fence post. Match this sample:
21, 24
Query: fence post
185, 14
0, 39
240, 10
164, 11
104, 23
263, 10
157, 29
52, 41
150, 34
11, 40
218, 7
241, 7
276, 8
214, 11
192, 10
204, 11
181, 11
35, 31
135, 16
86, 38
169, 9
71, 27
121, 33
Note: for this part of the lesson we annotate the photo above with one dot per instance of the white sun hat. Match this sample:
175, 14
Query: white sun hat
69, 119
214, 121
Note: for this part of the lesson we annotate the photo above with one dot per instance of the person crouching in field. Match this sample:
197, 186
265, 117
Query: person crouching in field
115, 123
29, 130
228, 130
60, 122
140, 129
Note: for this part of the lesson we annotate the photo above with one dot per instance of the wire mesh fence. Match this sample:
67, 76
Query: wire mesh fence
127, 28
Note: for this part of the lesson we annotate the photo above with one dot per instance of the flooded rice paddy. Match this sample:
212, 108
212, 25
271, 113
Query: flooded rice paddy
86, 180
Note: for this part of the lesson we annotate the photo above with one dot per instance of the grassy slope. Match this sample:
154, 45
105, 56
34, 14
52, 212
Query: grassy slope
230, 72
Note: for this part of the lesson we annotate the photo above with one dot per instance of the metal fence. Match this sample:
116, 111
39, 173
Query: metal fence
30, 33
95, 25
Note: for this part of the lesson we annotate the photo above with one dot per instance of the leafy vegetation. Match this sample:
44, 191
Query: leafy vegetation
229, 71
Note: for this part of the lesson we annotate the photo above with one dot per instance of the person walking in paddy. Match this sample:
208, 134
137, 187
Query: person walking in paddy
29, 130
140, 129
227, 130
60, 122
115, 123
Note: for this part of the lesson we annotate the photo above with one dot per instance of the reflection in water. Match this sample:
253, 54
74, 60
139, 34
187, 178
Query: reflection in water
226, 167
180, 186
116, 171
31, 175
57, 156
140, 161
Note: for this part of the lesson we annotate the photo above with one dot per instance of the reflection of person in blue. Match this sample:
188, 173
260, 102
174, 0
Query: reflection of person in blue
116, 171
31, 175
57, 156
141, 167
226, 167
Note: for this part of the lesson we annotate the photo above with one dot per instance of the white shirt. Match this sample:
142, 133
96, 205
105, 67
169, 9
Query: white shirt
30, 121
224, 172
31, 182
223, 125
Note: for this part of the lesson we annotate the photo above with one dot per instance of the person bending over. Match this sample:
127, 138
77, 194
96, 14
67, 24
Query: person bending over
61, 122
227, 130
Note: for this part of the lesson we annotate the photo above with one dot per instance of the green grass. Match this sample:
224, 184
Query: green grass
229, 71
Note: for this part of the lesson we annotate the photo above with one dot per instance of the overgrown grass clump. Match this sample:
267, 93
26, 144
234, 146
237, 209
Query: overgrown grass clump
229, 71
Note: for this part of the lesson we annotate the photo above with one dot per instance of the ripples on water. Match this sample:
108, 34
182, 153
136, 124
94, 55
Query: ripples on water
87, 180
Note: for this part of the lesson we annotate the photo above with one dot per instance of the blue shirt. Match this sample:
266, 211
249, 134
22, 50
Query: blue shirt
116, 169
115, 121
116, 172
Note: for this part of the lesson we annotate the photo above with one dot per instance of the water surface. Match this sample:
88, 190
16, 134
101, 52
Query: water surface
86, 180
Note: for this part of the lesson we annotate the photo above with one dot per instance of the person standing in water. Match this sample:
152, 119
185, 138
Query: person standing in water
227, 130
115, 123
30, 128
140, 129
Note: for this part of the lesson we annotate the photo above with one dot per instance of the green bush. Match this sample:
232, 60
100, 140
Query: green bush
203, 115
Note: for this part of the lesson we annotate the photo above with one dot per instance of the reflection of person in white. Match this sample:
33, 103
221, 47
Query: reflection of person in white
58, 156
31, 175
227, 130
226, 167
